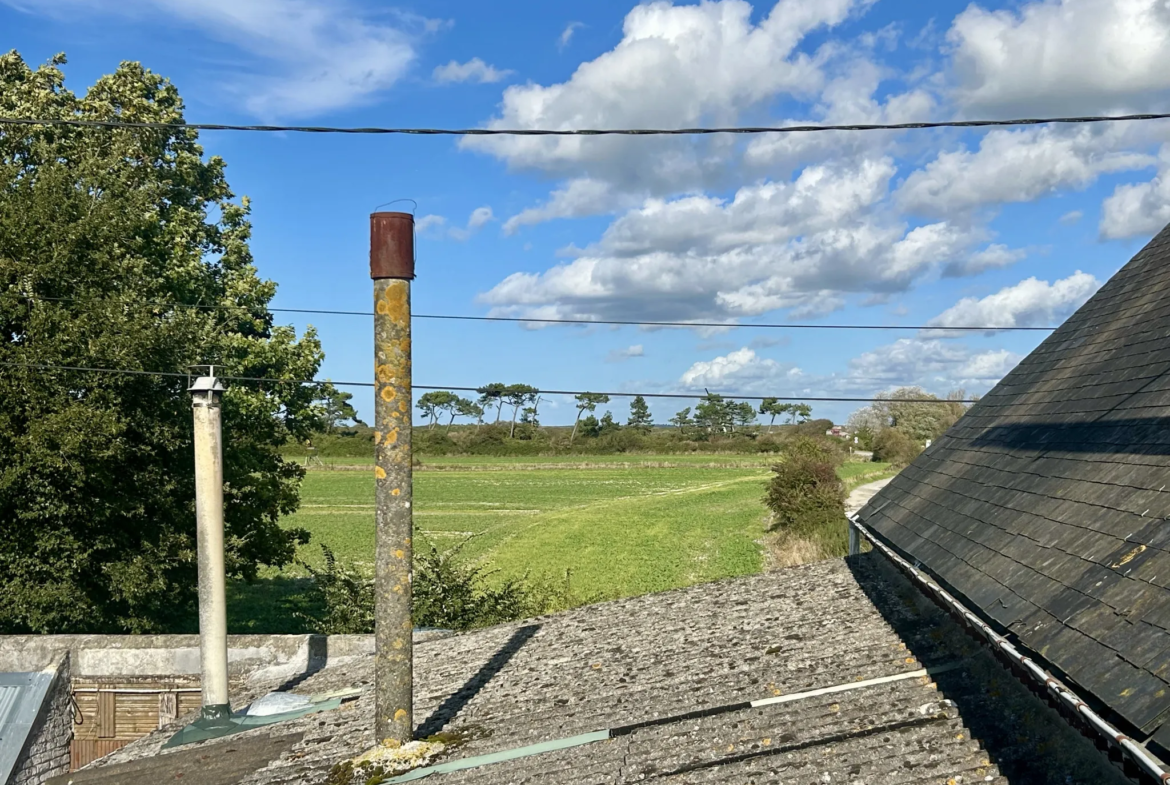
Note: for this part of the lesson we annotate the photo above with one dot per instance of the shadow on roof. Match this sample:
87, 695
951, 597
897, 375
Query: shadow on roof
1133, 436
449, 708
1028, 740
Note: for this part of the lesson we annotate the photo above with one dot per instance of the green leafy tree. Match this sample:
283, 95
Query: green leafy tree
713, 414
771, 407
590, 427
913, 412
467, 408
682, 420
518, 396
866, 423
97, 520
800, 412
640, 418
436, 402
895, 446
607, 424
336, 409
743, 414
530, 415
456, 407
586, 402
492, 395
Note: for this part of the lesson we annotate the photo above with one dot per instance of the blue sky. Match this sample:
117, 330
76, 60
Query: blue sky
1005, 227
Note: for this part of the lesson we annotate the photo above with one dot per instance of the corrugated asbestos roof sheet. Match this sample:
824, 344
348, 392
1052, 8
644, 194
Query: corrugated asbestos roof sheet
1047, 506
21, 696
668, 663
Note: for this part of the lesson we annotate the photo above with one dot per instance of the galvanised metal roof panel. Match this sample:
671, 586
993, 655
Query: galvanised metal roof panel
21, 696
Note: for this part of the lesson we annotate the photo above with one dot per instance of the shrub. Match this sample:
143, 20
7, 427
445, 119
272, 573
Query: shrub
341, 598
448, 593
432, 441
453, 595
894, 446
805, 494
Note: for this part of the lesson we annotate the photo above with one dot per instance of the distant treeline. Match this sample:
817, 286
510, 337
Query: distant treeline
505, 420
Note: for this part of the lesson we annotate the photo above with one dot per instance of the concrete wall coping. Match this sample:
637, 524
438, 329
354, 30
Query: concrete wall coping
104, 656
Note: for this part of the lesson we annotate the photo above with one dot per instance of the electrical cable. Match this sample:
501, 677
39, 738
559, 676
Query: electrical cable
628, 323
684, 396
17, 121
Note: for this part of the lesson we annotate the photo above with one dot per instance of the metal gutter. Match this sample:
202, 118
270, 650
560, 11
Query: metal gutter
1065, 695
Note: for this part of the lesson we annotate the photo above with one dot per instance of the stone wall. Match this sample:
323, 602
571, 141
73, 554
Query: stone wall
46, 752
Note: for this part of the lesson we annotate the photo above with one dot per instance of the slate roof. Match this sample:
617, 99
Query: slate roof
1047, 506
651, 659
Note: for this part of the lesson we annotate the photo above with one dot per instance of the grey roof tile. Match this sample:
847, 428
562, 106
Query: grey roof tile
661, 664
1046, 506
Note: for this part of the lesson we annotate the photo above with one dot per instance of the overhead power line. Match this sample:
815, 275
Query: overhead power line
783, 129
685, 396
531, 320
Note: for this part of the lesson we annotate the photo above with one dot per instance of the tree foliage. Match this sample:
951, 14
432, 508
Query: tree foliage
640, 418
97, 525
586, 402
772, 408
518, 396
916, 414
894, 446
805, 493
467, 408
336, 409
492, 395
713, 414
448, 592
435, 403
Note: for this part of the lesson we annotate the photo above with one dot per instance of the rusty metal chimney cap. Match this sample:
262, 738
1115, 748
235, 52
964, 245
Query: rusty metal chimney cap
392, 245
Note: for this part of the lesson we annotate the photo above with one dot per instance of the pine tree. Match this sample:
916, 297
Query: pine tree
640, 418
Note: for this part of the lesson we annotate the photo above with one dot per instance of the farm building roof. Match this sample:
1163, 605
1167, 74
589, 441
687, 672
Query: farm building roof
674, 670
21, 698
1047, 506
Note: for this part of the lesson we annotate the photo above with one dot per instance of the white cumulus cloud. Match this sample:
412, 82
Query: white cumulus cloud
847, 98
929, 363
993, 257
1014, 166
579, 197
741, 371
1062, 57
1030, 303
674, 66
474, 70
799, 244
1139, 208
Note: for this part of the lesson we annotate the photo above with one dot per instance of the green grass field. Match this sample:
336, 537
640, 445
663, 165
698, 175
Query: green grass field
621, 530
441, 462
